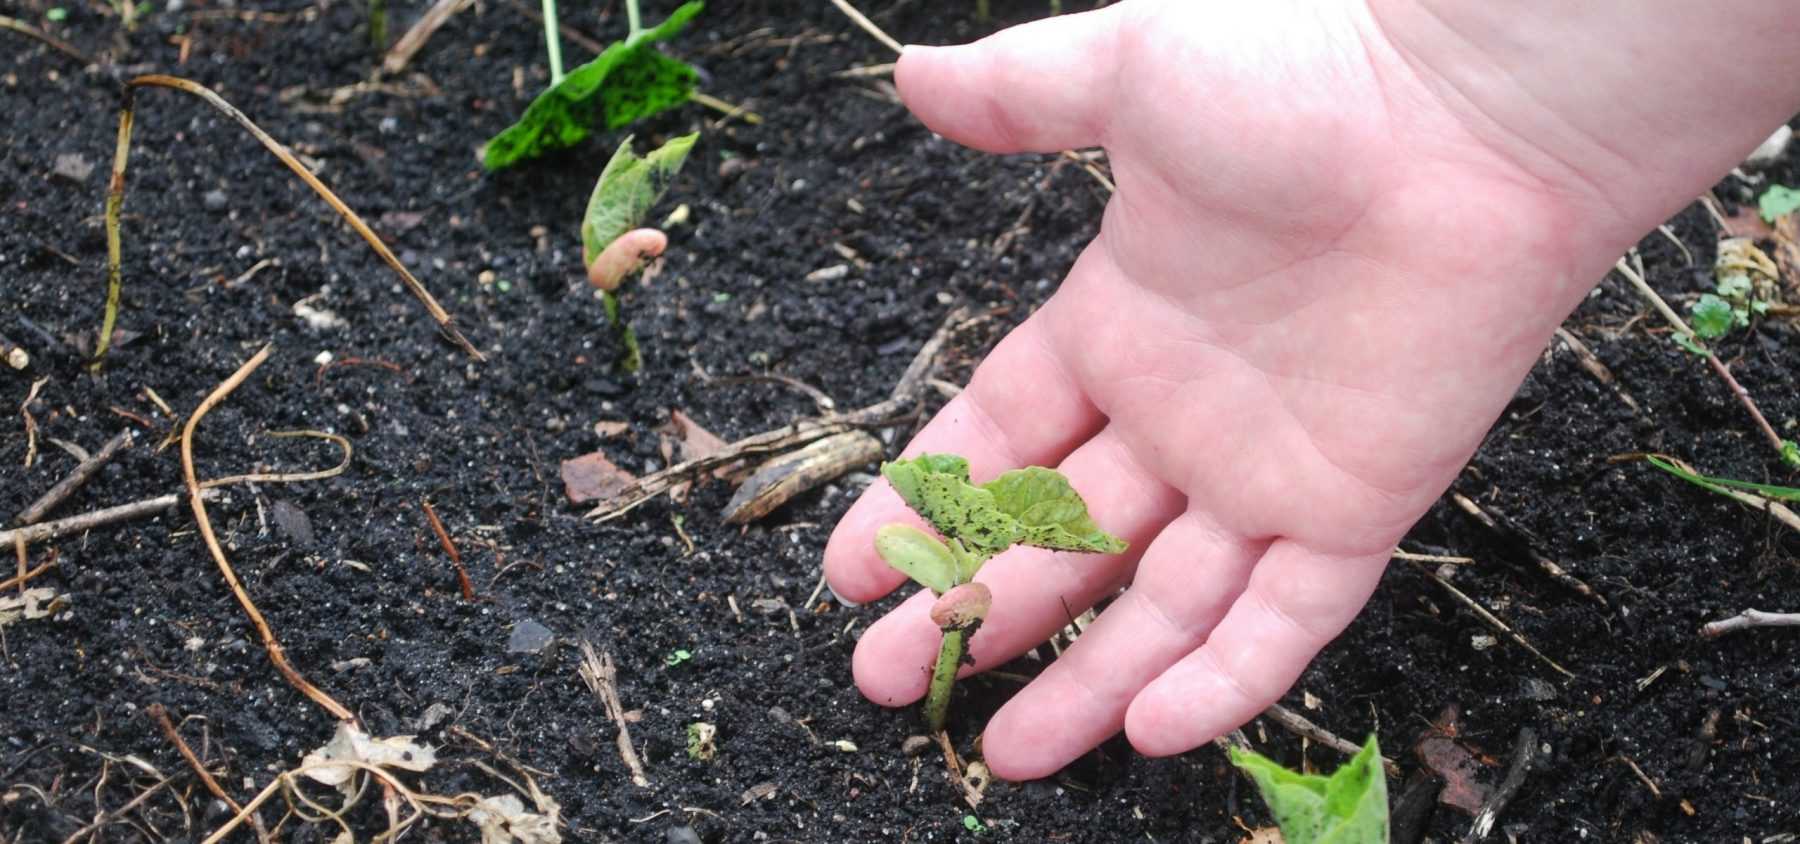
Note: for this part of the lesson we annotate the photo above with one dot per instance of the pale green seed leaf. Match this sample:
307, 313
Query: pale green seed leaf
1712, 316
1034, 506
918, 555
1778, 201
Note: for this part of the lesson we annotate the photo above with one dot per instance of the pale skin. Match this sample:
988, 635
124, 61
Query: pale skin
1342, 234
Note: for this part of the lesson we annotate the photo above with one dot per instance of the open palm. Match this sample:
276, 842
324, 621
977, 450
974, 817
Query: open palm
1314, 290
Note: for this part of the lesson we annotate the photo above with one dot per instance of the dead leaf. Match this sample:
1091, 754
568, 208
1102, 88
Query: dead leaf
32, 604
1747, 222
696, 442
757, 792
350, 744
1440, 752
1787, 249
606, 429
1264, 835
591, 476
504, 820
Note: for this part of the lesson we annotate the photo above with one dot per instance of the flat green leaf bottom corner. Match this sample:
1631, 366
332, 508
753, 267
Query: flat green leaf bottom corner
1348, 807
629, 80
1033, 506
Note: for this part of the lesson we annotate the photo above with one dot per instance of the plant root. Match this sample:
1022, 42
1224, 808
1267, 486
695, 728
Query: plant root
197, 500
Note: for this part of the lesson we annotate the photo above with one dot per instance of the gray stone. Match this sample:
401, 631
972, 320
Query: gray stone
529, 637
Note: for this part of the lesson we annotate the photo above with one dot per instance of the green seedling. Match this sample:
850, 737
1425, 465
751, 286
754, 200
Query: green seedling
612, 245
1778, 201
1744, 286
1348, 807
56, 14
378, 26
1034, 506
677, 657
629, 80
700, 741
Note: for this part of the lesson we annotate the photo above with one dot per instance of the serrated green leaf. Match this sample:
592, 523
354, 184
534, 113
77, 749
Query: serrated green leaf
918, 555
1348, 807
1034, 506
626, 190
627, 81
1778, 201
1712, 316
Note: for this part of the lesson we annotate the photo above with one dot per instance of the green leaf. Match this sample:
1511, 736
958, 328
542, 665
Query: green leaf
678, 657
1033, 506
1721, 485
1687, 344
1349, 807
1050, 511
56, 14
918, 555
1713, 317
627, 81
1778, 201
626, 190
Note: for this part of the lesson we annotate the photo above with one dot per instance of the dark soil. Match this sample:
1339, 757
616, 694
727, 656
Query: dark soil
152, 622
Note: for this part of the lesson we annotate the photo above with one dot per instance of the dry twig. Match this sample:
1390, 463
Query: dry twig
161, 716
1748, 619
115, 199
905, 396
602, 676
1548, 566
399, 55
98, 518
1297, 724
77, 477
49, 40
437, 527
1525, 752
277, 655
1718, 366
1494, 621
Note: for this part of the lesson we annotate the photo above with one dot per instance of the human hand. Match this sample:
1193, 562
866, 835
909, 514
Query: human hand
1324, 272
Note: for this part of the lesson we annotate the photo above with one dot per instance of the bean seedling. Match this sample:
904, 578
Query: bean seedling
1033, 506
627, 81
1348, 807
612, 244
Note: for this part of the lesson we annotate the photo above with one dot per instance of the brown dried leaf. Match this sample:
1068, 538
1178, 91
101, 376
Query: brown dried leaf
696, 442
1440, 752
1747, 222
1787, 249
591, 477
608, 428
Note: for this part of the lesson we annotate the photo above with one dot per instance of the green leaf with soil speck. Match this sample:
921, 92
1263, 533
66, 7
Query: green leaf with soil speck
627, 81
1348, 807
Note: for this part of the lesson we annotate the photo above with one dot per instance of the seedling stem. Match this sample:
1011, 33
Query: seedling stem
633, 20
552, 42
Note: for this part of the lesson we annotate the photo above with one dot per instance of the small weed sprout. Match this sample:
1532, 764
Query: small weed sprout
1348, 807
1744, 286
1034, 506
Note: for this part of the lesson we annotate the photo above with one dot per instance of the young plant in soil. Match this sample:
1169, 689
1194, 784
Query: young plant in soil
629, 80
1348, 807
1033, 506
613, 246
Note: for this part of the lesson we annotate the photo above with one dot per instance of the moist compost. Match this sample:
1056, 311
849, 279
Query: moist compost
709, 622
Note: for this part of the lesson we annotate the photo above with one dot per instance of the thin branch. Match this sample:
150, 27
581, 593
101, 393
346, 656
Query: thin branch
1718, 366
437, 527
277, 655
115, 199
602, 676
75, 479
1748, 619
1494, 621
98, 518
49, 40
399, 55
161, 716
1297, 724
1545, 564
867, 25
1525, 753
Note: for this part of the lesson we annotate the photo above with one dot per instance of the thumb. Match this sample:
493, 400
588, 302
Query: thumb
1040, 87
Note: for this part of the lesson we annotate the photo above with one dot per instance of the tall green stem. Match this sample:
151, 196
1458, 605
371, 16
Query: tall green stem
552, 43
633, 19
943, 678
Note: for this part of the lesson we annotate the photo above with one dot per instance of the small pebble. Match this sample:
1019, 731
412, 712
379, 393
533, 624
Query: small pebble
683, 835
214, 200
915, 745
529, 637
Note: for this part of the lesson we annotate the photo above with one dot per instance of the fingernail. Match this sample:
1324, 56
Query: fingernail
839, 598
